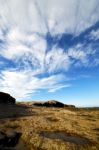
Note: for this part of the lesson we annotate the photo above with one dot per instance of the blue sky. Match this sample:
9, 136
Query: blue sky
49, 49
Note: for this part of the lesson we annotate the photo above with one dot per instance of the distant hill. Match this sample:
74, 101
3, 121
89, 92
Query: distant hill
52, 103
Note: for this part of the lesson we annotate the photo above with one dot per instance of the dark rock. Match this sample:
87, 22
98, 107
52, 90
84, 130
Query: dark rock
9, 139
2, 138
51, 103
6, 98
12, 139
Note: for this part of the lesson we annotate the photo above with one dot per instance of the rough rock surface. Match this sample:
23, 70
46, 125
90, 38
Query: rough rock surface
6, 98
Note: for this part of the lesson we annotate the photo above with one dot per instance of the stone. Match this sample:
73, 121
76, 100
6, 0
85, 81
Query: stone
10, 139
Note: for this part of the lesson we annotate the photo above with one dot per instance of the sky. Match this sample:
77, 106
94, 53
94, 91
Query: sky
49, 49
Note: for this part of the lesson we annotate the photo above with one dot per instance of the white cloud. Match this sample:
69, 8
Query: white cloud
22, 84
94, 35
69, 16
23, 28
19, 43
55, 88
57, 59
31, 48
78, 54
23, 48
56, 16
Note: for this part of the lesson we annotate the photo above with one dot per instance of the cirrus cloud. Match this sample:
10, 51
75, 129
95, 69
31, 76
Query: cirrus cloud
35, 54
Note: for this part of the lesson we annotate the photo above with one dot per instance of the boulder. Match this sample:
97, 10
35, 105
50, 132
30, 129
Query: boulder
6, 98
9, 139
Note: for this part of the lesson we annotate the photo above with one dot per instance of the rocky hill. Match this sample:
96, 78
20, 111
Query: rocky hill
52, 103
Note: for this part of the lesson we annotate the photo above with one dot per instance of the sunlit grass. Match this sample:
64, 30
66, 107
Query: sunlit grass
80, 123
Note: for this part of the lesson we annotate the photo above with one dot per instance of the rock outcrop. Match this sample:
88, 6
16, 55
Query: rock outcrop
51, 103
6, 98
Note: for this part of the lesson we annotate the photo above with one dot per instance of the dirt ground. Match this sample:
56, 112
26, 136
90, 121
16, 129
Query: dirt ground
51, 128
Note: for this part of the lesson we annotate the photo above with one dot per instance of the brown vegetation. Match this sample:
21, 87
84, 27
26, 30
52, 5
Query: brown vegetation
50, 128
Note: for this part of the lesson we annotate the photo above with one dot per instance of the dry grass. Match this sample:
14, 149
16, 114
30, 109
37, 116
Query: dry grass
32, 121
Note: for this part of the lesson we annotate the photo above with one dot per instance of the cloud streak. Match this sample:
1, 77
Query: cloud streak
27, 60
23, 84
43, 16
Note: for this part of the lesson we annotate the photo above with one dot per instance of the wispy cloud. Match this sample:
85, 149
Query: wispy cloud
57, 59
30, 63
94, 35
24, 84
56, 16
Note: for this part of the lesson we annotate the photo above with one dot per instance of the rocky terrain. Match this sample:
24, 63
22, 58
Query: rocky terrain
48, 126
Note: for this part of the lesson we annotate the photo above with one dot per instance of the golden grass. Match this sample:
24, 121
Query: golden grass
32, 121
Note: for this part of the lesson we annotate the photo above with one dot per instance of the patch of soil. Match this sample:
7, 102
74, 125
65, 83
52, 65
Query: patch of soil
66, 137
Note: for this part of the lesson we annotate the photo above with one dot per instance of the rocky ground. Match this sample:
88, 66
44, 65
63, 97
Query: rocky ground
24, 126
